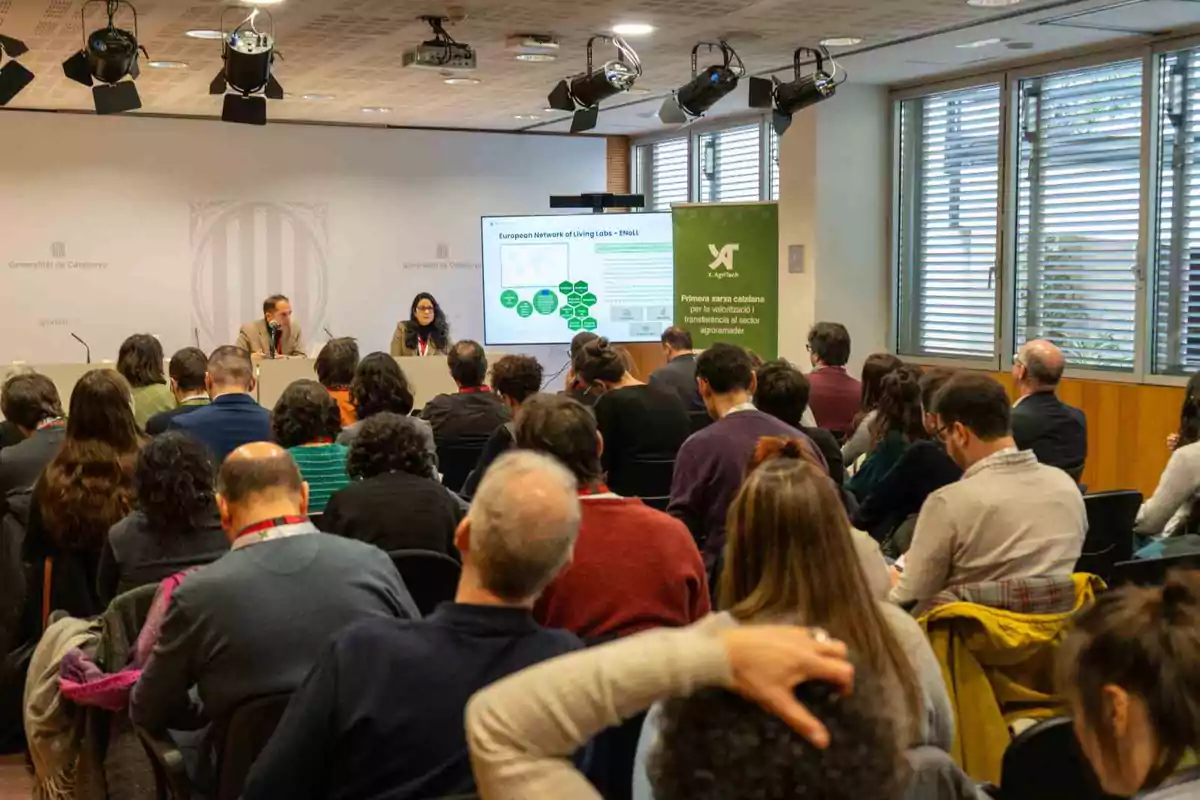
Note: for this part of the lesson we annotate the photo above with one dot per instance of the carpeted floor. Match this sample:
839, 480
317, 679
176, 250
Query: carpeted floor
14, 779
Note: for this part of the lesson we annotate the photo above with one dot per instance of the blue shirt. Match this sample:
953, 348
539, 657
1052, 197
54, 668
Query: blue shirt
226, 424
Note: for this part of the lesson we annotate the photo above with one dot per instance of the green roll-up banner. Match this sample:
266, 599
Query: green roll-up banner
727, 274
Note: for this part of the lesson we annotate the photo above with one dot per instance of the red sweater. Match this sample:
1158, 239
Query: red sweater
634, 568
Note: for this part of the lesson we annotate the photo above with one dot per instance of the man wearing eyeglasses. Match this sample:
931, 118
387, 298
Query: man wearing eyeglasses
1053, 430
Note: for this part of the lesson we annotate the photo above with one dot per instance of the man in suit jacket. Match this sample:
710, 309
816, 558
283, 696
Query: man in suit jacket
187, 370
30, 401
234, 417
1053, 430
254, 622
255, 337
678, 375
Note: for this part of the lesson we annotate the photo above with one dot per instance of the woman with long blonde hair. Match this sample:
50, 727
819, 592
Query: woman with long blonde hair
790, 556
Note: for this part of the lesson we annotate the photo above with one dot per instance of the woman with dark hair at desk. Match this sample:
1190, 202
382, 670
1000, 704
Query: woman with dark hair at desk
425, 333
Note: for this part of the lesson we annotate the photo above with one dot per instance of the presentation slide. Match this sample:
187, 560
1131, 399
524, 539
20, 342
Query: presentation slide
547, 278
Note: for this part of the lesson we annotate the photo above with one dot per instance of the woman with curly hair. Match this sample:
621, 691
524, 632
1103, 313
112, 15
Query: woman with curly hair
425, 333
84, 490
306, 420
380, 385
514, 378
898, 424
176, 524
393, 503
140, 361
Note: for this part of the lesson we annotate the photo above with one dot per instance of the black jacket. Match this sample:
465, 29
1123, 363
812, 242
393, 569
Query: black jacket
922, 470
827, 444
159, 423
395, 511
679, 376
471, 414
1053, 430
21, 464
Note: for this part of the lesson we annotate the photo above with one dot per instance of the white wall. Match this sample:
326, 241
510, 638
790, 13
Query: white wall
834, 199
110, 226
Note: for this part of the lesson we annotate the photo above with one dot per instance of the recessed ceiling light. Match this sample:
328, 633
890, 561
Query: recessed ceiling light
633, 29
316, 97
980, 43
841, 41
205, 33
535, 58
167, 64
992, 3
461, 81
376, 110
526, 116
549, 110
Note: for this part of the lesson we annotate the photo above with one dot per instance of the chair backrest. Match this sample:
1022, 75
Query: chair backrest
431, 578
1109, 538
645, 477
457, 457
1152, 571
1045, 763
245, 735
699, 420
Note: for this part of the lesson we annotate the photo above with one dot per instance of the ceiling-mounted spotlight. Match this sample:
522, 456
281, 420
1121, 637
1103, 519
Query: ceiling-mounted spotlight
13, 76
108, 57
583, 93
804, 91
705, 88
248, 54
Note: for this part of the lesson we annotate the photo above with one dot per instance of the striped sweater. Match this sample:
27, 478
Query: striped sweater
323, 467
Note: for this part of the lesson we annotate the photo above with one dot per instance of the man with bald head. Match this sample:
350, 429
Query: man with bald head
255, 621
1053, 430
381, 715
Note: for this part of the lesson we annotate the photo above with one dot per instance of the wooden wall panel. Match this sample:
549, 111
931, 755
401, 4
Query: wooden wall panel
619, 153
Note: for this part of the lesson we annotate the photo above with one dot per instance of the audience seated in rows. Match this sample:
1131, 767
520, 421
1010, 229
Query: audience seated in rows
514, 378
306, 421
84, 490
522, 728
1009, 516
1053, 430
783, 391
1171, 510
923, 469
234, 417
254, 622
1128, 671
639, 423
877, 367
30, 401
392, 502
186, 370
898, 423
678, 375
140, 361
175, 525
712, 463
335, 366
380, 385
576, 389
474, 412
834, 395
381, 714
790, 556
634, 567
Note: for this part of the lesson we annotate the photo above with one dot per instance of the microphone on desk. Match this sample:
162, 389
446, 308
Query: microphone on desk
75, 336
272, 337
196, 337
327, 333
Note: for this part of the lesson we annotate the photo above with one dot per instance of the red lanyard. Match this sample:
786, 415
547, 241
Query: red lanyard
422, 346
267, 524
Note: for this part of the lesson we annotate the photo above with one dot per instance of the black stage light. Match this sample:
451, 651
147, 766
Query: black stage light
804, 91
701, 93
13, 76
248, 54
583, 93
108, 57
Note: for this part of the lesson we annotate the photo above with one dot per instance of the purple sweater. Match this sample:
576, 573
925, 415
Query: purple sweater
710, 469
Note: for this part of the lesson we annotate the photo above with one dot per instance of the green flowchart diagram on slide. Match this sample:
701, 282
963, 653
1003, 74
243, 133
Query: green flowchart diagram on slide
575, 307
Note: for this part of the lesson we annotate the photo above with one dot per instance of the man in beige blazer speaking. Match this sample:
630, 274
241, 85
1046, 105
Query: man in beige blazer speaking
275, 328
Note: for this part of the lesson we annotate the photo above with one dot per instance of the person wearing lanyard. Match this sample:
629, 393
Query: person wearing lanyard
255, 621
426, 332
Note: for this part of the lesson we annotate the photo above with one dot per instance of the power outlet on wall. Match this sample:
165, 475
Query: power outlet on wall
796, 259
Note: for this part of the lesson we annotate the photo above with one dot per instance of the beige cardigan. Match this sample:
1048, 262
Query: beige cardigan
523, 729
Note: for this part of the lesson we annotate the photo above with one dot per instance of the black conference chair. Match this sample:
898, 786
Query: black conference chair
699, 420
1109, 540
647, 478
1153, 571
431, 578
249, 729
1045, 763
170, 773
457, 457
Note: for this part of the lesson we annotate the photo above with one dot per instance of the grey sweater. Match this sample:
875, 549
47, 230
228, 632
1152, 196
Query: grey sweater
254, 622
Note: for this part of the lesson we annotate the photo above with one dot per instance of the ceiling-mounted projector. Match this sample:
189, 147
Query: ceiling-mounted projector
441, 53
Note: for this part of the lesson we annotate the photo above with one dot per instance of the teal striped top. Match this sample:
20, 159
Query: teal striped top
323, 467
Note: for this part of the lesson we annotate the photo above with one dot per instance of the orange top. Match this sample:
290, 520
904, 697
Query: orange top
345, 406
